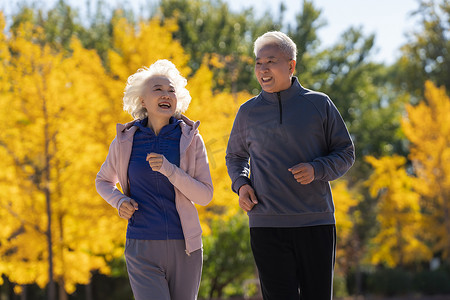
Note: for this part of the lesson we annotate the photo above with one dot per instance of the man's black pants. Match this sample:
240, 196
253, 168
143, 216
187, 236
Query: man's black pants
295, 263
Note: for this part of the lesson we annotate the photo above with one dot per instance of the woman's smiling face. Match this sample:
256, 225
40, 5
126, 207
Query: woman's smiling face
159, 98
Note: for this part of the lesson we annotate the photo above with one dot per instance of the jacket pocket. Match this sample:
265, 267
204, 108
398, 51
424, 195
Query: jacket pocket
194, 235
127, 244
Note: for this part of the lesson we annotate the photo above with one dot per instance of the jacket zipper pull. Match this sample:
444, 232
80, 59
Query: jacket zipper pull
281, 107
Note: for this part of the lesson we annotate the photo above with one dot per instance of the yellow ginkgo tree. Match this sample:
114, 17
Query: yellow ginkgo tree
414, 207
53, 112
400, 239
59, 111
427, 127
137, 46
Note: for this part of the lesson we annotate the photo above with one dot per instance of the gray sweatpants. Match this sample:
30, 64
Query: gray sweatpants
161, 270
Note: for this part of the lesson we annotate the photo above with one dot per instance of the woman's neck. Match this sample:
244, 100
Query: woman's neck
156, 124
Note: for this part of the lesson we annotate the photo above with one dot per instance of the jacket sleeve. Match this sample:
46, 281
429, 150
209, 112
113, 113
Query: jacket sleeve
237, 157
197, 188
341, 151
107, 179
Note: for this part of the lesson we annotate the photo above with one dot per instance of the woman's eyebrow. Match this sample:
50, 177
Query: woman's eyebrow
162, 85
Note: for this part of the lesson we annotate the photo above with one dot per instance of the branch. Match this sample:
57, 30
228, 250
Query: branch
23, 221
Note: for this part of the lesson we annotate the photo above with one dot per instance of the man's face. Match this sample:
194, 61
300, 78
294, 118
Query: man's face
273, 70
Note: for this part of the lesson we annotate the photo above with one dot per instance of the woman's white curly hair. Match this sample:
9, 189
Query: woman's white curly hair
136, 85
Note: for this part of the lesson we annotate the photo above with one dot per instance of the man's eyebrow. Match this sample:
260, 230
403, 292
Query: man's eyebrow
269, 57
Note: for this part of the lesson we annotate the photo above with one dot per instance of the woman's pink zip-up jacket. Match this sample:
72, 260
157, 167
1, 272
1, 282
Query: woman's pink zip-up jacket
192, 180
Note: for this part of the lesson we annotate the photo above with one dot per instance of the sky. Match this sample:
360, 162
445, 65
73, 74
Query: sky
389, 20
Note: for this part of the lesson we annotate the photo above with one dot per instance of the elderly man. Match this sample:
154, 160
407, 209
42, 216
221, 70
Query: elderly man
286, 144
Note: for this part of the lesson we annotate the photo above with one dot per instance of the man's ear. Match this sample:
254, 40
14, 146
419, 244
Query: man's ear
292, 64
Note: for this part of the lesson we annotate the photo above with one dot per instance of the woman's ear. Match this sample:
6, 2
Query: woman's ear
142, 101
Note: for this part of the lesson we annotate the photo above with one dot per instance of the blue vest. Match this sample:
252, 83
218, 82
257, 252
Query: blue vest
157, 217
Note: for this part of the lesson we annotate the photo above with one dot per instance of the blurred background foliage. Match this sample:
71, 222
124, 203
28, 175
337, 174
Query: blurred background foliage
62, 75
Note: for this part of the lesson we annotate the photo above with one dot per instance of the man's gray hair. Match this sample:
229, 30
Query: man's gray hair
278, 38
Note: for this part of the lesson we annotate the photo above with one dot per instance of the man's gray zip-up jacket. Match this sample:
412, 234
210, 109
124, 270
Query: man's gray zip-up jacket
276, 131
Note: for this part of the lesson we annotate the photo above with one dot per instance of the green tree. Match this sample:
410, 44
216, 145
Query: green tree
228, 259
63, 22
426, 56
59, 24
304, 34
209, 27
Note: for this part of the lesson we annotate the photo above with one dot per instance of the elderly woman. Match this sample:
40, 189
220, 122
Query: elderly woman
160, 162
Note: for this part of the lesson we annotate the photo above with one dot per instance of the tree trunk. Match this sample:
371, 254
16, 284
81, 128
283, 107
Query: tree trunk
447, 222
46, 187
358, 274
89, 291
23, 294
51, 284
62, 291
213, 287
